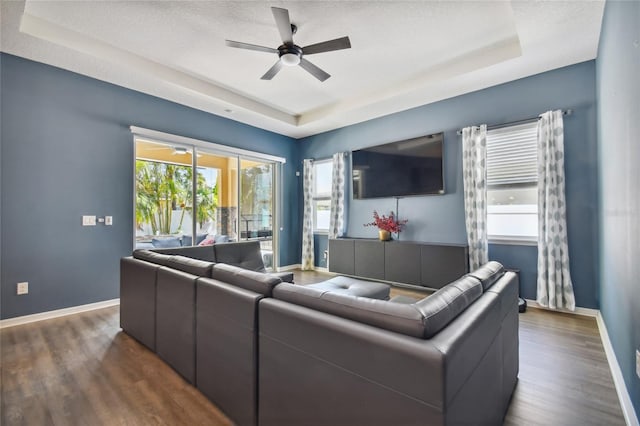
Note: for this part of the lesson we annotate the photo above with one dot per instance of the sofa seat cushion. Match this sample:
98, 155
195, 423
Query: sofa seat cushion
245, 254
422, 319
406, 300
488, 274
251, 280
192, 266
354, 287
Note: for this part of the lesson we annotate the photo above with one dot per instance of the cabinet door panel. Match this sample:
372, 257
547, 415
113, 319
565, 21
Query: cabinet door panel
341, 256
369, 259
442, 265
402, 262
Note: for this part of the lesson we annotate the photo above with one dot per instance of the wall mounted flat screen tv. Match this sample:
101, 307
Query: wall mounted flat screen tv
398, 169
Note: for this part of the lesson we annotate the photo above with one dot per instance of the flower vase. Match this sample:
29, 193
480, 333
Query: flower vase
384, 235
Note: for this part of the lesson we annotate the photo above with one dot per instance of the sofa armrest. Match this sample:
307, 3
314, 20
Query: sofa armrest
481, 350
138, 300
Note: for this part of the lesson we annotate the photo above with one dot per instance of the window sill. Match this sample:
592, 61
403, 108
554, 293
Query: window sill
320, 232
512, 241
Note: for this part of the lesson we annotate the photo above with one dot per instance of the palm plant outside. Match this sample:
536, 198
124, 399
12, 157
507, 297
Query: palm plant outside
163, 188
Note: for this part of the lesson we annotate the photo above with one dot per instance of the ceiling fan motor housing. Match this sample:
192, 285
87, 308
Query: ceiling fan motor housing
290, 54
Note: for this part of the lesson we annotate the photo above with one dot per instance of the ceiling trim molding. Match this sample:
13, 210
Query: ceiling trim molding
43, 29
483, 57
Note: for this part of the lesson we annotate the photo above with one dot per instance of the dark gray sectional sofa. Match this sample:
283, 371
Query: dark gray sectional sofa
268, 352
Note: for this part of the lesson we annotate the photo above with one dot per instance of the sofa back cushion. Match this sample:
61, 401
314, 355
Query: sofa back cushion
202, 253
488, 274
422, 319
151, 256
245, 254
192, 266
446, 304
250, 280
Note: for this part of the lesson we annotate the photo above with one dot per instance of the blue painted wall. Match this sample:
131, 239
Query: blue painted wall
67, 151
522, 258
618, 90
440, 218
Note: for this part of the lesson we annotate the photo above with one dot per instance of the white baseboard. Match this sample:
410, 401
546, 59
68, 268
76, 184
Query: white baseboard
299, 266
621, 388
289, 267
26, 319
587, 312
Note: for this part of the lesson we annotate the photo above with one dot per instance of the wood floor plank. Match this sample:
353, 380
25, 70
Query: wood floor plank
82, 369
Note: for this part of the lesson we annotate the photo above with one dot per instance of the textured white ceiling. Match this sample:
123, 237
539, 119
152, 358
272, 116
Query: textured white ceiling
403, 54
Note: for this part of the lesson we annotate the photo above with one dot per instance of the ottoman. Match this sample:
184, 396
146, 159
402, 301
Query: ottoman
354, 287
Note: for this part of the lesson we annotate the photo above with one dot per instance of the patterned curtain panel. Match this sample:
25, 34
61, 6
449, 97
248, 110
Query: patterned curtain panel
474, 171
554, 281
307, 219
338, 190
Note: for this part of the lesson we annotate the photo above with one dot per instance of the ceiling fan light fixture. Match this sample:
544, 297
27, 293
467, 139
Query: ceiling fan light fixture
179, 150
290, 59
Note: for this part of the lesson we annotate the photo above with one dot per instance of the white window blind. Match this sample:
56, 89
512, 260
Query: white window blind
512, 155
322, 195
512, 175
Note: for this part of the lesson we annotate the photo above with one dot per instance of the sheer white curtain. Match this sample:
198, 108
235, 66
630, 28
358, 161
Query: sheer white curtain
554, 280
474, 172
307, 261
338, 191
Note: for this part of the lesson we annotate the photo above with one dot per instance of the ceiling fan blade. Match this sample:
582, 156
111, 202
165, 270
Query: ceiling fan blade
283, 23
314, 70
327, 46
272, 71
249, 46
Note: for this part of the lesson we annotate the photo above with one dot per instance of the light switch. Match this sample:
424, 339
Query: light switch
88, 221
108, 220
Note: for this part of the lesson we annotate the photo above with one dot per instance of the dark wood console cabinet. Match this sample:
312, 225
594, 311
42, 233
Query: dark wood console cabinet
414, 263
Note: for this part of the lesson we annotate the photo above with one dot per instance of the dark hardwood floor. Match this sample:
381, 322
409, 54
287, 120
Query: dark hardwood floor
83, 370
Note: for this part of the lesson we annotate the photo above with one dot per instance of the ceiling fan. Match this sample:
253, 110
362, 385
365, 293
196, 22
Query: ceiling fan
291, 54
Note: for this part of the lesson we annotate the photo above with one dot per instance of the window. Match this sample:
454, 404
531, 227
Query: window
322, 195
512, 178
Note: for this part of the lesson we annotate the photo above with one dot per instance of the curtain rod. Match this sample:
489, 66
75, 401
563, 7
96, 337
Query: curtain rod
318, 160
513, 123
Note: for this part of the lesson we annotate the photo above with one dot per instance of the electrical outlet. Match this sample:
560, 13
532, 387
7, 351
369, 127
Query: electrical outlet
638, 362
22, 288
88, 221
108, 220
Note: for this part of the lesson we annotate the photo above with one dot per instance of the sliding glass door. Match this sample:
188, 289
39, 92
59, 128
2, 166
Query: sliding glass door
230, 198
257, 180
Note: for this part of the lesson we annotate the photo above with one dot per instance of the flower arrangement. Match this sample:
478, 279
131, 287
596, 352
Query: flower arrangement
387, 223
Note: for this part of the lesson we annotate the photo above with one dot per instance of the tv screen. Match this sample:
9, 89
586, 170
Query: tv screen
398, 169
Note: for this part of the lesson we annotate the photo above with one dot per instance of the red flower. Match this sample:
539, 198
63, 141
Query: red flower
385, 223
